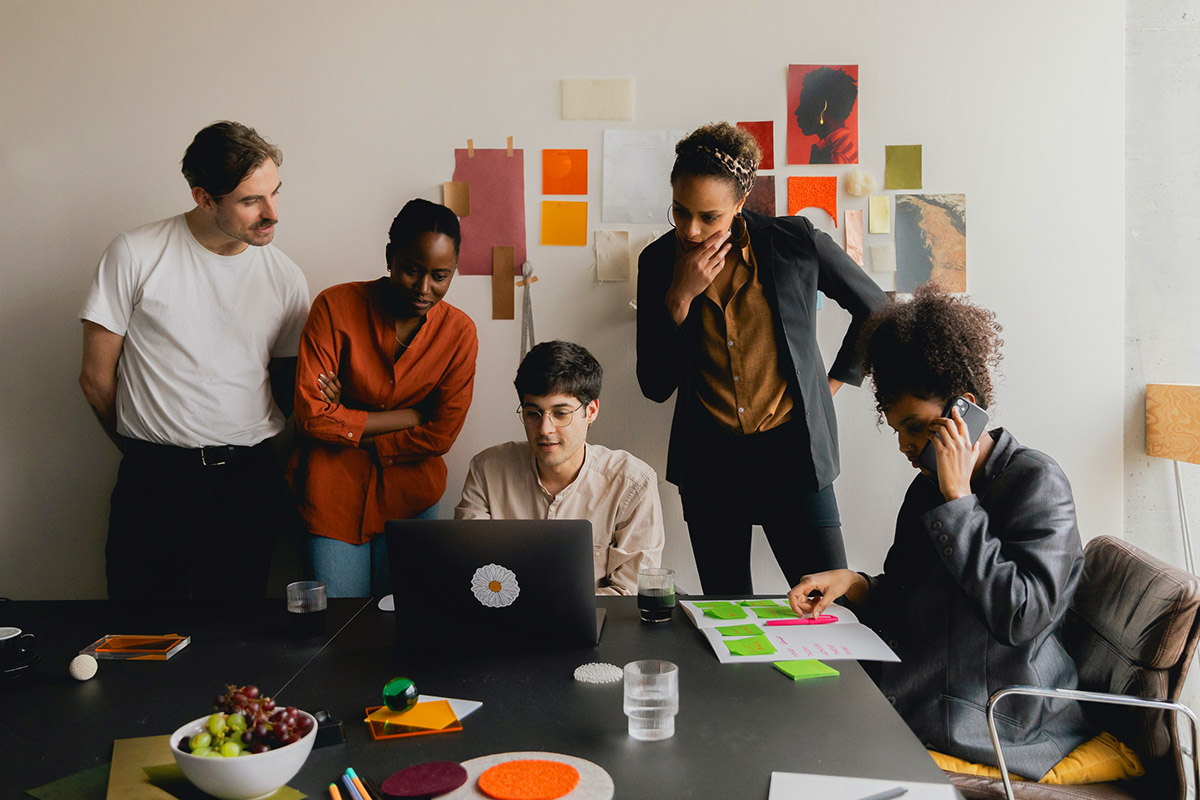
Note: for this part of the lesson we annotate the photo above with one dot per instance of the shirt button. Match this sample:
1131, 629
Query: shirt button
741, 411
949, 551
892, 699
730, 343
943, 538
937, 525
350, 435
736, 378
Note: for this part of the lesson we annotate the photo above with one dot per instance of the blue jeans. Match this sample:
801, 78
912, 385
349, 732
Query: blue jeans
353, 570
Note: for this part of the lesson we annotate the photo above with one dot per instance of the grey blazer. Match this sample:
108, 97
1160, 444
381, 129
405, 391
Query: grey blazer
794, 261
972, 598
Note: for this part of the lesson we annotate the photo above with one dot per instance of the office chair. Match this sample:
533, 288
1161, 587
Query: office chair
1132, 629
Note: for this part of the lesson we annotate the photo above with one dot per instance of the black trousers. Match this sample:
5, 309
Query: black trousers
731, 483
178, 527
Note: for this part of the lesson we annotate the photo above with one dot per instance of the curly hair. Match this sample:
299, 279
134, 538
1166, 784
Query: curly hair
934, 346
696, 153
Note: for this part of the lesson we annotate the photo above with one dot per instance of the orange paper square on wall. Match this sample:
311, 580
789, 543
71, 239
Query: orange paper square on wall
564, 172
564, 222
819, 192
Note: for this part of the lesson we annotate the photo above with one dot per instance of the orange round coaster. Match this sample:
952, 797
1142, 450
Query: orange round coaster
528, 779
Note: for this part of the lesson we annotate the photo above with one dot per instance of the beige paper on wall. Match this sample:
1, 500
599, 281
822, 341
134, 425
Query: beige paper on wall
456, 196
854, 235
880, 213
596, 98
612, 256
883, 258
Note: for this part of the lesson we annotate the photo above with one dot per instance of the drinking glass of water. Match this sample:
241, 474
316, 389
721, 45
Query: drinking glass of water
651, 699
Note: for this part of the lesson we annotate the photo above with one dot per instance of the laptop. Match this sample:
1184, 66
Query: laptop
505, 583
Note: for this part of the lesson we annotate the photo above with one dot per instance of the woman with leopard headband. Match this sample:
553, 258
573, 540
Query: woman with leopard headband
726, 321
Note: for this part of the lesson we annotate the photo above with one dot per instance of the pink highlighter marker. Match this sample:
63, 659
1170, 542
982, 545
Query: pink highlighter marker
824, 619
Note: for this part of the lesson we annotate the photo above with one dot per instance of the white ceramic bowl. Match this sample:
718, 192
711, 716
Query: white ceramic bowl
243, 777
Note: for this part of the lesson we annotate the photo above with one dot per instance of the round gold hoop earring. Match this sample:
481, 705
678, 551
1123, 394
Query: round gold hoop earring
670, 216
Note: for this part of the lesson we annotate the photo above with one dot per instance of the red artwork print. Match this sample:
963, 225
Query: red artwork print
822, 114
764, 133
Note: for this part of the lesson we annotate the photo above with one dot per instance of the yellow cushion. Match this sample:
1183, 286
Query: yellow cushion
1097, 760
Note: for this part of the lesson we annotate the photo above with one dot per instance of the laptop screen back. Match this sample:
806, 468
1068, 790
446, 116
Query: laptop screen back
510, 583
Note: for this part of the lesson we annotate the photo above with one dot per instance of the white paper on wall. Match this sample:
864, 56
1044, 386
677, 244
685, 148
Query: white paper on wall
637, 175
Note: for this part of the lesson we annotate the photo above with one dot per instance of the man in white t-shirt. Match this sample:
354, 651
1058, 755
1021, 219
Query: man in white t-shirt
556, 474
190, 333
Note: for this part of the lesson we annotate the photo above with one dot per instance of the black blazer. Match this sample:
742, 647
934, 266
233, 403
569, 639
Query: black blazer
794, 261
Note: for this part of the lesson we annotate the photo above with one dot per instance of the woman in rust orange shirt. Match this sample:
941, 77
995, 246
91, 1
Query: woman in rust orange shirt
383, 384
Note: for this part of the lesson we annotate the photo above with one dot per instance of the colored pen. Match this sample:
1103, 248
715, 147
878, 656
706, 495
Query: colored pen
373, 788
350, 790
362, 790
887, 794
334, 794
824, 619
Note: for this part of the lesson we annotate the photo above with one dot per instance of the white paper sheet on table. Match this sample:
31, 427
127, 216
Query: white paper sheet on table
801, 786
461, 708
637, 175
846, 639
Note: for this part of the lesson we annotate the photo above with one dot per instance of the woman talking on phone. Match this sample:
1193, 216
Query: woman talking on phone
986, 556
726, 322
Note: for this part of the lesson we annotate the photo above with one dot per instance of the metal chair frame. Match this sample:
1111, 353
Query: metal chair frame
1092, 697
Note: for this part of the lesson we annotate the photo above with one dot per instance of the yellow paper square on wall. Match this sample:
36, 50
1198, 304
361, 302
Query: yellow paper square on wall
564, 222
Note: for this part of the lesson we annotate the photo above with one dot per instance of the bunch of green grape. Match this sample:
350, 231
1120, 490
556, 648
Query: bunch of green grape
246, 723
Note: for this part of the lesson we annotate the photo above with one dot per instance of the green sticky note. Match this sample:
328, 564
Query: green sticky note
726, 611
808, 668
740, 630
91, 784
902, 166
711, 603
758, 603
750, 646
777, 612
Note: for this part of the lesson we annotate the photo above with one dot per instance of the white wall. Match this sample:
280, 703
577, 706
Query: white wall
1018, 105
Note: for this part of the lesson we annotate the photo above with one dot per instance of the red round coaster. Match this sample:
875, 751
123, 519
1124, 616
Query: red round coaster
529, 779
425, 780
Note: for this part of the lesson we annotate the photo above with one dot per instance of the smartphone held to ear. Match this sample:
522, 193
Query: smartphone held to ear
976, 419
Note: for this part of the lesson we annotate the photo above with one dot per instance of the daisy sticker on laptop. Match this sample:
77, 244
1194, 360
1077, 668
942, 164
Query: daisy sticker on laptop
495, 586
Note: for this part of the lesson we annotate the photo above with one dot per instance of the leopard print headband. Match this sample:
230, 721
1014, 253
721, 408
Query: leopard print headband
742, 173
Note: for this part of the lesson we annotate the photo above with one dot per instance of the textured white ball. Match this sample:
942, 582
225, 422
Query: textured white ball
83, 667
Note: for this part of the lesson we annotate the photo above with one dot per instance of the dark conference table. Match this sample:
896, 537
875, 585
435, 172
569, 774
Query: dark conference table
737, 723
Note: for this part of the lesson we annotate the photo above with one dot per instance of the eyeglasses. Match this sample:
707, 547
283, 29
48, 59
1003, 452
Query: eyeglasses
532, 417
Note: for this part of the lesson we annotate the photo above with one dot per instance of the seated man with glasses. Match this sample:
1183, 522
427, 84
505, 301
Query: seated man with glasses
558, 475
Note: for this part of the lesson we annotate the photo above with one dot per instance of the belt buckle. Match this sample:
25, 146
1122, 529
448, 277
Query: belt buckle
204, 458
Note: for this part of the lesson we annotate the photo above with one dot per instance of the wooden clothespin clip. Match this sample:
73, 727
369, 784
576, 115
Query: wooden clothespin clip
510, 147
470, 148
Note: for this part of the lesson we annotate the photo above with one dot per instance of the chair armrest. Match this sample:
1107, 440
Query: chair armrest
1081, 696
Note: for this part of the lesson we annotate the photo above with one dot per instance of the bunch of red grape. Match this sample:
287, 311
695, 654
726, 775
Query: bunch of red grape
247, 722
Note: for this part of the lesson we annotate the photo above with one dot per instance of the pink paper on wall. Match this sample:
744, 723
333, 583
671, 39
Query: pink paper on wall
854, 236
497, 186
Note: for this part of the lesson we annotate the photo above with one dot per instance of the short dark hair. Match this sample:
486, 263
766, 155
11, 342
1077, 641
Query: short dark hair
223, 154
421, 216
559, 368
934, 346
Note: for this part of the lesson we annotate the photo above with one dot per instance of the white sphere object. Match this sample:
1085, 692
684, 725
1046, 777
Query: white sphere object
83, 667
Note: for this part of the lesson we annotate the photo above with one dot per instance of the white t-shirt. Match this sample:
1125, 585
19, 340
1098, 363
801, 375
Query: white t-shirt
200, 329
